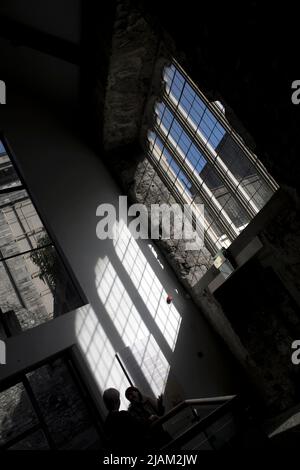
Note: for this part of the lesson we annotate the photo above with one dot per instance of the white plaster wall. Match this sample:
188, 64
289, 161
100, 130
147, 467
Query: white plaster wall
125, 284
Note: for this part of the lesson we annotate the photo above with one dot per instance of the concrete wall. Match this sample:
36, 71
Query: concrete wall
126, 282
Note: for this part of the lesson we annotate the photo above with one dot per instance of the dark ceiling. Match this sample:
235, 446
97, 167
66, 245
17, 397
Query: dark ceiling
243, 52
248, 53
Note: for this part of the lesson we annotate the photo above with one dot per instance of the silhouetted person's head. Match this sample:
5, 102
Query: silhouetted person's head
133, 394
111, 398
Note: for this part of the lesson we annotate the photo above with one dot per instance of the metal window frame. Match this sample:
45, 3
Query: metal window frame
209, 199
213, 108
70, 362
233, 186
178, 196
18, 168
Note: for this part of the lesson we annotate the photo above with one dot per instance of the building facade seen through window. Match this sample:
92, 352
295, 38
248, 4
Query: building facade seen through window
34, 283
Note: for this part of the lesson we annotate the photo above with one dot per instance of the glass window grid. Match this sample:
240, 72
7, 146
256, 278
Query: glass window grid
209, 198
31, 298
248, 203
209, 127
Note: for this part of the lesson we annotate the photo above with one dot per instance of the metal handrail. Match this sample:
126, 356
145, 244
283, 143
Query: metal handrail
192, 402
201, 425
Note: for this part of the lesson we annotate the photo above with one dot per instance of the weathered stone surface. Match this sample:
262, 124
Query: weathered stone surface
134, 48
149, 189
282, 240
265, 318
275, 379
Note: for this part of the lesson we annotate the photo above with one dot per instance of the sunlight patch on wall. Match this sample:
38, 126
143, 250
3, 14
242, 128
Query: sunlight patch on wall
148, 285
131, 327
99, 353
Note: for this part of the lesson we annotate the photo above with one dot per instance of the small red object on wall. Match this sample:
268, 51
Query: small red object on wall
169, 299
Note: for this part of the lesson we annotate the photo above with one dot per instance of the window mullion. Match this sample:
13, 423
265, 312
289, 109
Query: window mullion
266, 177
210, 240
212, 157
208, 197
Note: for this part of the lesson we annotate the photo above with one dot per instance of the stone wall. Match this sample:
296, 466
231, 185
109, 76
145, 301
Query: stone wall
129, 94
134, 49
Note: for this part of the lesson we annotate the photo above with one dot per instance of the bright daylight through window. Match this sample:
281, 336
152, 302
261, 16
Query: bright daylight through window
34, 283
202, 160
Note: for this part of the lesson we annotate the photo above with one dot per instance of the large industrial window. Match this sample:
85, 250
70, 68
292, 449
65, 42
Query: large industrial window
35, 285
202, 160
49, 408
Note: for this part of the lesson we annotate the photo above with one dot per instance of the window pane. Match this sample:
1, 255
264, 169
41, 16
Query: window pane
8, 175
20, 226
35, 441
36, 288
34, 284
196, 155
243, 170
64, 411
16, 413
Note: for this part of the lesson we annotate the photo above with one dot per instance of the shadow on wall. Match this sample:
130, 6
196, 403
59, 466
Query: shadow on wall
129, 315
124, 282
136, 321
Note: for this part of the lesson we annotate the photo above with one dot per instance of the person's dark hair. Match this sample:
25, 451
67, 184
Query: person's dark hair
132, 389
111, 398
